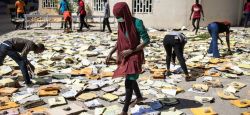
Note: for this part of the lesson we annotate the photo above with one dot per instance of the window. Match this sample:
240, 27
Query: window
98, 5
49, 4
142, 6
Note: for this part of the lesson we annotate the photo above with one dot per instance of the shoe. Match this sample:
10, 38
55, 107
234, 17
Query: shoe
210, 55
123, 113
137, 101
190, 79
30, 84
79, 30
167, 74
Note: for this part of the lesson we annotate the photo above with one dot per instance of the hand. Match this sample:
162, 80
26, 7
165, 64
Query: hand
229, 52
126, 53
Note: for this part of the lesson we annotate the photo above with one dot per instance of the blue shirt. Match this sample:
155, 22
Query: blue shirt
63, 6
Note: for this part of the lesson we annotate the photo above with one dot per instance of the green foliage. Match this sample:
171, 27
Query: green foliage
203, 36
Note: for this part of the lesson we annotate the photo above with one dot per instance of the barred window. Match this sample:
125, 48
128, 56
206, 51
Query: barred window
142, 6
49, 4
98, 5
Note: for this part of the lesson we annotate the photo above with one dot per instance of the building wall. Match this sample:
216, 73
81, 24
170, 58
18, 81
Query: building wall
52, 11
175, 13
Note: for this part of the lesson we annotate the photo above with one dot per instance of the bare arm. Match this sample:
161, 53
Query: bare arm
202, 12
221, 41
113, 50
109, 57
192, 11
140, 47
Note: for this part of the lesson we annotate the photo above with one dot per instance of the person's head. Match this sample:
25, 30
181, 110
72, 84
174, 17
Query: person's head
227, 23
105, 1
121, 12
39, 48
197, 1
248, 0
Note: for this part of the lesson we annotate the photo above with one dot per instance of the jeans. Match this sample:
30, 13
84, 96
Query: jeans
106, 23
82, 21
170, 43
6, 50
247, 16
213, 30
130, 85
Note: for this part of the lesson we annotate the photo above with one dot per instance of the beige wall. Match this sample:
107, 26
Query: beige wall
175, 13
222, 10
42, 10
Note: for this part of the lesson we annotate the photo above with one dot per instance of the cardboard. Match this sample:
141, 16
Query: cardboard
56, 101
226, 95
200, 87
110, 97
7, 91
203, 111
70, 109
8, 105
86, 96
35, 110
241, 103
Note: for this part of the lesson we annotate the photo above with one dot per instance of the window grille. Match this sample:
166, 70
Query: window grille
49, 4
98, 5
142, 6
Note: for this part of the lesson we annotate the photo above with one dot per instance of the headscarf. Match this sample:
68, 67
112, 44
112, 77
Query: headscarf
121, 9
128, 38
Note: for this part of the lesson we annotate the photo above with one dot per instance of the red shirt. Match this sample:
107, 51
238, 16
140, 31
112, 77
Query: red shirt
82, 6
247, 7
66, 14
196, 8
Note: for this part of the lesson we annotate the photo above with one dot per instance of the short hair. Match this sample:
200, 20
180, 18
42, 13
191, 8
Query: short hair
227, 23
40, 46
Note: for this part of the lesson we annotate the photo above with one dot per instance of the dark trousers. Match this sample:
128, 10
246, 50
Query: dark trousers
68, 21
62, 23
82, 21
247, 16
106, 23
170, 43
20, 15
6, 50
213, 30
130, 85
197, 26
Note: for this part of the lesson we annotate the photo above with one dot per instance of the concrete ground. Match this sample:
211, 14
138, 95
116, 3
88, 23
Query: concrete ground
223, 107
